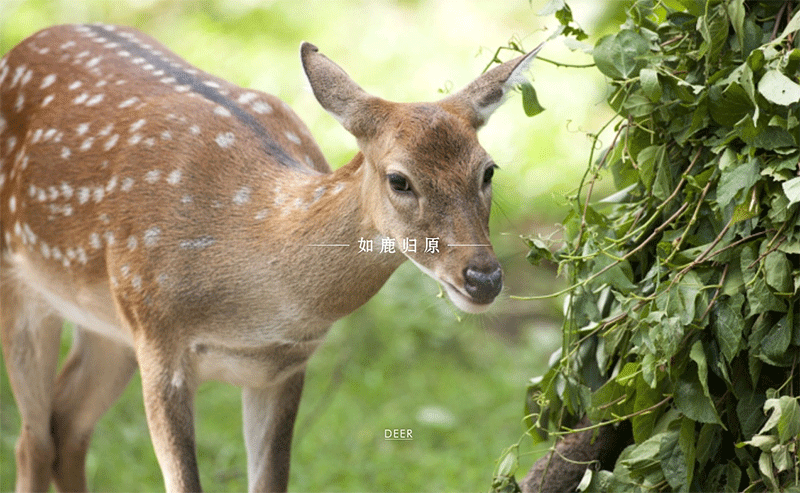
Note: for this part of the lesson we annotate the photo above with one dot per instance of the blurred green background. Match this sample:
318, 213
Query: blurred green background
407, 359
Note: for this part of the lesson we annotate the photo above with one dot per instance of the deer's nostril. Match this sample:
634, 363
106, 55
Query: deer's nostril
483, 284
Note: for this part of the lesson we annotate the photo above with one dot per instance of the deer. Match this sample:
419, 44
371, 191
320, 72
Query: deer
194, 230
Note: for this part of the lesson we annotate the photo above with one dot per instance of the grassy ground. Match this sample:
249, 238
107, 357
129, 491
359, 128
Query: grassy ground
398, 363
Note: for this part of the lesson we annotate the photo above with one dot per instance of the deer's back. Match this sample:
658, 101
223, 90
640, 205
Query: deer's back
116, 153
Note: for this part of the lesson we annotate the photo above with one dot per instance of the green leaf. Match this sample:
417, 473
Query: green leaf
650, 159
742, 177
673, 460
698, 355
736, 14
691, 399
778, 89
777, 340
792, 190
530, 103
728, 325
650, 84
551, 7
687, 442
508, 465
730, 105
792, 26
789, 421
713, 28
778, 272
621, 55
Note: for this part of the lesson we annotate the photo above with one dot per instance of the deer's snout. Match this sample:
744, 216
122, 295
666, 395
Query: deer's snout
483, 282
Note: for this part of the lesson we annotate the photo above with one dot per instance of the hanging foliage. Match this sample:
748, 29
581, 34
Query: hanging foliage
683, 313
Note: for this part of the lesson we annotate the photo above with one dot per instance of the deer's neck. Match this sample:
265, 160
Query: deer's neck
333, 247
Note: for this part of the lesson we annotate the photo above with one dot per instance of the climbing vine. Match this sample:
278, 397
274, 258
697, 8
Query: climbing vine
683, 312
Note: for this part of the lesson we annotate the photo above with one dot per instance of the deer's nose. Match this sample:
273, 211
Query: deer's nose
483, 283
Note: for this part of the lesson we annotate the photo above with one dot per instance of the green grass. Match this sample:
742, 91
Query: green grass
400, 362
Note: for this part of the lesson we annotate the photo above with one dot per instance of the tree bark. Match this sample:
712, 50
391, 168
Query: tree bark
561, 470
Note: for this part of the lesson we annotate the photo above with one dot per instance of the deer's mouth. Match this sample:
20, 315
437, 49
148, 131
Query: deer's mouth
465, 302
460, 298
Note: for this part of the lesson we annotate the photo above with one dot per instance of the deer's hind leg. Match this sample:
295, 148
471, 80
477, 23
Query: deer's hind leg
31, 335
94, 376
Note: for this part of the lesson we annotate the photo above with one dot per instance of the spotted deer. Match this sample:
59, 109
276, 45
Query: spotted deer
193, 229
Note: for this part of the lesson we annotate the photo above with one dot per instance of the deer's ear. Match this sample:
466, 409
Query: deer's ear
485, 94
338, 94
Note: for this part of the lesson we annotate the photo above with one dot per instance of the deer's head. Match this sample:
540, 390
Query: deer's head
427, 180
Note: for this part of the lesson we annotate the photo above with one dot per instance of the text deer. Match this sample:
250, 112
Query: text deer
177, 220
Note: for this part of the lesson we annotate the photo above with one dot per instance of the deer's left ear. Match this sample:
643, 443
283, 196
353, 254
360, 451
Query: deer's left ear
485, 94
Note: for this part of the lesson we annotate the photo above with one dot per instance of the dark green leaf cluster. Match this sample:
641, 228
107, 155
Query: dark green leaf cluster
684, 312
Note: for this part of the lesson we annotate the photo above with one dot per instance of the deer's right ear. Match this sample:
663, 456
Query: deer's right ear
337, 92
485, 94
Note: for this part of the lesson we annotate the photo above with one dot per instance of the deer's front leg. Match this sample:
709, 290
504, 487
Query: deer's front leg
269, 415
168, 389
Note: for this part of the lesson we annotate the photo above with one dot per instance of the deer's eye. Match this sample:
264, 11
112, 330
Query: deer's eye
488, 174
399, 183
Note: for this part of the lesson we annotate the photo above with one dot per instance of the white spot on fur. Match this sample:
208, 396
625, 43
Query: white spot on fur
94, 241
112, 184
242, 196
82, 128
137, 125
246, 97
48, 81
151, 236
12, 204
174, 177
152, 176
111, 142
225, 140
81, 99
127, 184
96, 99
132, 243
222, 111
47, 100
81, 254
65, 152
293, 137
87, 144
197, 243
66, 190
128, 102
75, 85
194, 129
134, 139
262, 107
